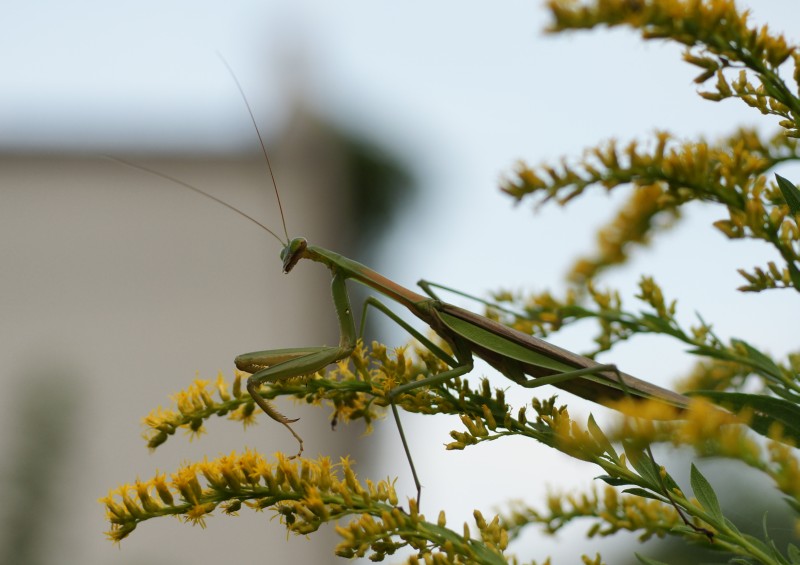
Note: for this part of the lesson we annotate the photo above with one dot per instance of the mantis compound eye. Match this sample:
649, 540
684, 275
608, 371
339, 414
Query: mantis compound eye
292, 253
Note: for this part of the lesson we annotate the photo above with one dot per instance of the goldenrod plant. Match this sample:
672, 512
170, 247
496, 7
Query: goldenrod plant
745, 403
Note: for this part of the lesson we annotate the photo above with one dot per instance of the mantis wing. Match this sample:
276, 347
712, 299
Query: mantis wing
509, 350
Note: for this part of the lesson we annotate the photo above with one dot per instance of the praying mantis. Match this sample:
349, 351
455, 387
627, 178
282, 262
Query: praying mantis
515, 354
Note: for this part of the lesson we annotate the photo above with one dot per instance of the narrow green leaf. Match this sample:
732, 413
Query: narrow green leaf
763, 361
756, 543
767, 411
705, 494
790, 193
601, 439
793, 553
613, 481
642, 463
636, 491
793, 504
773, 549
647, 561
732, 527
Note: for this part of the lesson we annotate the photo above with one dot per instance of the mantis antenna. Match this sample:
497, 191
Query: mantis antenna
260, 141
211, 196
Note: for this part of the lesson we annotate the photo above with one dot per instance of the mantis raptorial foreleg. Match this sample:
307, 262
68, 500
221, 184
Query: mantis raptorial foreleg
280, 364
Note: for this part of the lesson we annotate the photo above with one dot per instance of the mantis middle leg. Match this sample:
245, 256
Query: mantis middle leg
459, 367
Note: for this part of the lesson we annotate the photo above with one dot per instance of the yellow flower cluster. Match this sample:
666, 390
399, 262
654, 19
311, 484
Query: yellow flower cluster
717, 24
304, 493
195, 405
666, 176
615, 512
714, 432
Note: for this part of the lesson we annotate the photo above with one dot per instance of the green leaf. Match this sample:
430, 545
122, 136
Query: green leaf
790, 193
705, 494
636, 491
759, 545
613, 481
732, 527
602, 440
647, 561
773, 549
793, 553
642, 463
764, 362
767, 410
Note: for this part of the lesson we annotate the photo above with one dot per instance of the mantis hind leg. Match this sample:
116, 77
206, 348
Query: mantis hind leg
458, 369
569, 375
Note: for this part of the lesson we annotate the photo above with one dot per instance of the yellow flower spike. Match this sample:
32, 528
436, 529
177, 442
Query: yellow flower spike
350, 478
372, 489
305, 513
479, 519
589, 561
222, 387
554, 504
115, 512
470, 424
441, 521
160, 483
197, 514
231, 469
282, 467
489, 417
143, 492
185, 481
292, 477
182, 402
266, 471
366, 497
132, 507
449, 550
388, 519
503, 541
248, 466
206, 399
344, 492
413, 510
212, 474
237, 384
345, 532
611, 499
325, 478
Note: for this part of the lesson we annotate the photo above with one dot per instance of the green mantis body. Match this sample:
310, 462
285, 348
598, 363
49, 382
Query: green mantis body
513, 353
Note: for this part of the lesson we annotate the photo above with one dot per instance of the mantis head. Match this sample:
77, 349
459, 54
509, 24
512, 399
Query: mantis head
293, 252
